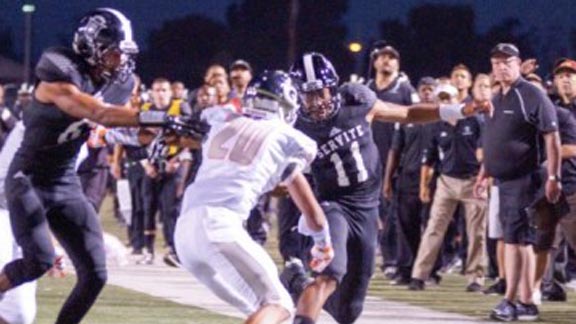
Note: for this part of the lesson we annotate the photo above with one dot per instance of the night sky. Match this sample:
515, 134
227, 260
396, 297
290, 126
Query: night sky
54, 20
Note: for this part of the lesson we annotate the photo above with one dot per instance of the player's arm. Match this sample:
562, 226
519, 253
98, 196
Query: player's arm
115, 167
422, 112
78, 104
313, 222
568, 151
391, 166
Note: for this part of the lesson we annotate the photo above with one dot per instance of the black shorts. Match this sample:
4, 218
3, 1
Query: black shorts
515, 196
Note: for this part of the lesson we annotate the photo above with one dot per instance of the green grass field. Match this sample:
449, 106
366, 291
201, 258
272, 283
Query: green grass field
121, 306
118, 305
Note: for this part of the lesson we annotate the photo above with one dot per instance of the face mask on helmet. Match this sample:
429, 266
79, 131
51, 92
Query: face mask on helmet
320, 105
317, 83
104, 39
271, 95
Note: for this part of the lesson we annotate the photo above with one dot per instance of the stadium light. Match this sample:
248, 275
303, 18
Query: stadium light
355, 47
28, 8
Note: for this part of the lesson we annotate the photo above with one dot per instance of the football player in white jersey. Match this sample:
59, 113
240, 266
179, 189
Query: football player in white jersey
245, 156
17, 306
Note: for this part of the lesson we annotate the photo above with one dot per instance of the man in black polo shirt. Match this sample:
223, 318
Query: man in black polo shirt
390, 85
522, 121
405, 158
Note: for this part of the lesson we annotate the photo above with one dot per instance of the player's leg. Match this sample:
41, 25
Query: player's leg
347, 302
221, 254
31, 232
294, 248
76, 226
316, 294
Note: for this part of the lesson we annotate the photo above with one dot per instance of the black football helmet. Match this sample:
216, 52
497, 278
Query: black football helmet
314, 72
271, 95
104, 30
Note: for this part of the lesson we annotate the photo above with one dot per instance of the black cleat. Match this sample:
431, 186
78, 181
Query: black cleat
505, 311
474, 287
553, 292
498, 288
171, 259
416, 285
435, 279
295, 278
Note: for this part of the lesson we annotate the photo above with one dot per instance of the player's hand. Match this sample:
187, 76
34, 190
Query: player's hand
481, 188
425, 195
529, 66
187, 126
387, 190
57, 270
116, 170
477, 107
322, 255
553, 190
172, 165
150, 170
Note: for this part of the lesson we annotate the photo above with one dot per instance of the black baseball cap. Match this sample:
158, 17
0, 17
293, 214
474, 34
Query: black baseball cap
388, 49
240, 64
505, 49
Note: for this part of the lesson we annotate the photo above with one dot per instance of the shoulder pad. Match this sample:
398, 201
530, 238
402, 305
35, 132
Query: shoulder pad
60, 65
357, 94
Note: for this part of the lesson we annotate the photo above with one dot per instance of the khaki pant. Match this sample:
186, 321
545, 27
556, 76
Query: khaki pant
449, 192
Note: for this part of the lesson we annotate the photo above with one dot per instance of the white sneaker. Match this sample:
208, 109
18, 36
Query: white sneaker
571, 284
537, 297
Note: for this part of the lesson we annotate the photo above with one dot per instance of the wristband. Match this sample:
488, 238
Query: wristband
152, 118
321, 238
451, 112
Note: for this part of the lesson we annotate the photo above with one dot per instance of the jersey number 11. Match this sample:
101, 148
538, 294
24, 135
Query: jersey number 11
343, 180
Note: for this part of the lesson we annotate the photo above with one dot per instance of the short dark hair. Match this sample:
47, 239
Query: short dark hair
461, 66
161, 80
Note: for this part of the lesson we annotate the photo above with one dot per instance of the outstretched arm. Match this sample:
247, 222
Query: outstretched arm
423, 112
78, 104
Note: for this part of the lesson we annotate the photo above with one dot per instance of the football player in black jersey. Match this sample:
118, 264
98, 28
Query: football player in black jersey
347, 172
90, 83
